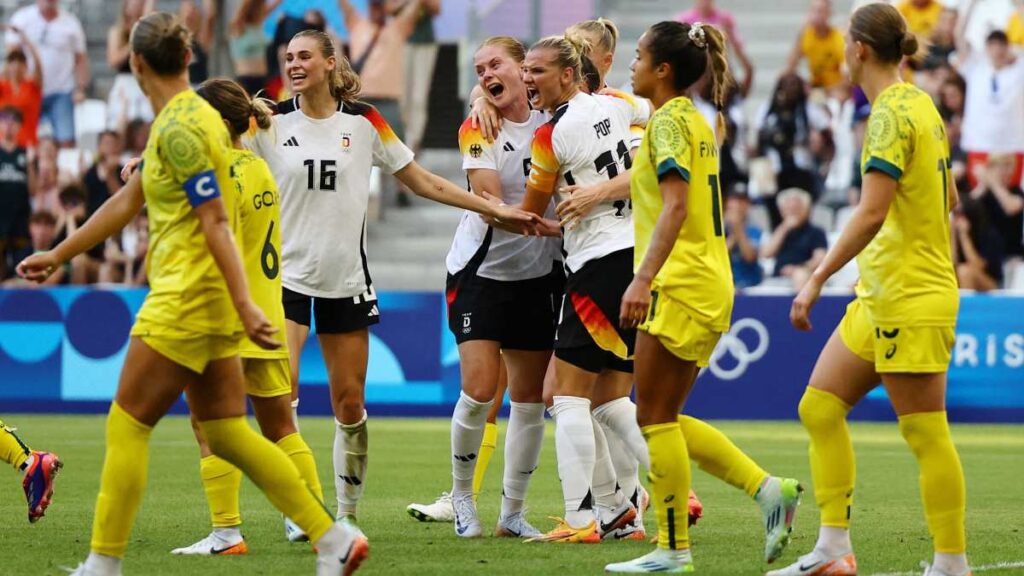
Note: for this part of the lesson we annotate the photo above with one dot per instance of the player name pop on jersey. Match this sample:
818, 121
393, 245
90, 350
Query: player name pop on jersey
697, 273
507, 256
906, 272
259, 208
184, 165
587, 142
322, 168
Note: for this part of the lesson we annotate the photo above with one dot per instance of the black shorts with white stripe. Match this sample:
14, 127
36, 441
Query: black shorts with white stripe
332, 315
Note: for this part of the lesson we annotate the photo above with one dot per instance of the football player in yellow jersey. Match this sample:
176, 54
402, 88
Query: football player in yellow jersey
187, 334
681, 295
267, 376
900, 327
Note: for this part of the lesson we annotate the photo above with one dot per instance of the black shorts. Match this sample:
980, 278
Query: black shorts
333, 315
519, 314
588, 335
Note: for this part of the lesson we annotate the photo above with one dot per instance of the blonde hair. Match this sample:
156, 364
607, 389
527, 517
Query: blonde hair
570, 49
605, 30
235, 105
343, 80
513, 47
162, 41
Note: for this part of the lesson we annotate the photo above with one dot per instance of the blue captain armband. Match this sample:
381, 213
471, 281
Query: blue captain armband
202, 188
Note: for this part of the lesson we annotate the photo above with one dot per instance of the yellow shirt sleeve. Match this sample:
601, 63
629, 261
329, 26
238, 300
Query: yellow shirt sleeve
887, 142
670, 146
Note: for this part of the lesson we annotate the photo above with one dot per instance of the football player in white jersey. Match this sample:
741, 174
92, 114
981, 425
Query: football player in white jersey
499, 294
320, 149
586, 140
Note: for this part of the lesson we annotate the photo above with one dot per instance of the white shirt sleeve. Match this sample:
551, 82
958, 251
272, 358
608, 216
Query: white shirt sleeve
389, 153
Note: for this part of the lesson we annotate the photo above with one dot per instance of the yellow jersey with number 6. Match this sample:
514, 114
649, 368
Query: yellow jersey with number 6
697, 273
260, 234
185, 164
906, 272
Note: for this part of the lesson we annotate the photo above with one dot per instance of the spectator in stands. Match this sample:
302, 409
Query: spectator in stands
922, 16
977, 248
706, 12
420, 58
942, 41
822, 45
73, 197
42, 227
103, 178
784, 136
135, 136
200, 22
994, 104
126, 101
1002, 201
125, 255
1015, 27
376, 46
743, 240
796, 245
59, 37
952, 94
45, 189
248, 45
22, 90
14, 191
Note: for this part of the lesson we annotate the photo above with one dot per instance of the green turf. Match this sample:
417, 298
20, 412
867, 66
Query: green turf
408, 462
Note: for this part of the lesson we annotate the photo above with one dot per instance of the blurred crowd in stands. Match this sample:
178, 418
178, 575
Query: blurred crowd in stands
790, 173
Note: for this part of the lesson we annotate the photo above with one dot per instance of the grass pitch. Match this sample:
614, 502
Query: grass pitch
409, 462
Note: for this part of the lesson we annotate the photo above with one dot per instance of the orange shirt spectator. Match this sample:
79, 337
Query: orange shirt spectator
23, 91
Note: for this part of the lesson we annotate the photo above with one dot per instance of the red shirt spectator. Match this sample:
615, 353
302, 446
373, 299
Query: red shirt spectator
23, 91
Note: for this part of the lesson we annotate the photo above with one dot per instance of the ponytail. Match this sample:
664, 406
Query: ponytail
720, 77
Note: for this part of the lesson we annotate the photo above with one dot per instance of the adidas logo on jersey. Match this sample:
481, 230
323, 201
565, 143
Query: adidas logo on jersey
291, 142
508, 147
374, 311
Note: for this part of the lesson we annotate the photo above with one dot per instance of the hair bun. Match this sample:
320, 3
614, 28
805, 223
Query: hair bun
908, 44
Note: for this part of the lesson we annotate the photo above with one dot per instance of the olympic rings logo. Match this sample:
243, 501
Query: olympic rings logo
734, 346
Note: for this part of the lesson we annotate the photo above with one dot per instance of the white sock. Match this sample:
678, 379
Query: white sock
350, 443
619, 415
625, 465
523, 440
834, 541
574, 446
103, 565
468, 422
295, 413
603, 484
955, 564
229, 535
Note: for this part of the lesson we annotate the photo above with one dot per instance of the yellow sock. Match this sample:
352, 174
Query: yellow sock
125, 467
296, 448
832, 466
267, 466
670, 483
942, 478
487, 446
12, 449
718, 456
221, 482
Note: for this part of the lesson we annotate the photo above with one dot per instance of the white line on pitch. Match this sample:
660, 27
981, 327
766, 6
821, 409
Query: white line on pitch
984, 568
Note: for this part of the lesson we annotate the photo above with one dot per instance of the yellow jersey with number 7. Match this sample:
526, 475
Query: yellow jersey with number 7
186, 164
697, 274
259, 209
906, 272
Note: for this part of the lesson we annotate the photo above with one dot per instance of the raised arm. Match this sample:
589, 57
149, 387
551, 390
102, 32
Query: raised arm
406, 18
33, 52
794, 56
963, 47
349, 13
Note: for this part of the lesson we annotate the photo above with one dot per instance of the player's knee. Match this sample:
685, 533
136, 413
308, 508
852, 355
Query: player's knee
918, 436
349, 407
812, 417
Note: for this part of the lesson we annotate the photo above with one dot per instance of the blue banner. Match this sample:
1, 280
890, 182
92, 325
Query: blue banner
61, 350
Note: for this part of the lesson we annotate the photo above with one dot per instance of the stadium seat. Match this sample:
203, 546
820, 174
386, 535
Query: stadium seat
90, 120
821, 216
1013, 275
758, 218
74, 161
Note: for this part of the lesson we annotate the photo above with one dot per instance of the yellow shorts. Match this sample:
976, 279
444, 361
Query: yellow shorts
906, 349
671, 323
267, 377
189, 349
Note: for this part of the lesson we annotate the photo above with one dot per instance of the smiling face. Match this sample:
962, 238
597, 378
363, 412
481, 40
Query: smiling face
546, 83
305, 64
499, 75
642, 69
